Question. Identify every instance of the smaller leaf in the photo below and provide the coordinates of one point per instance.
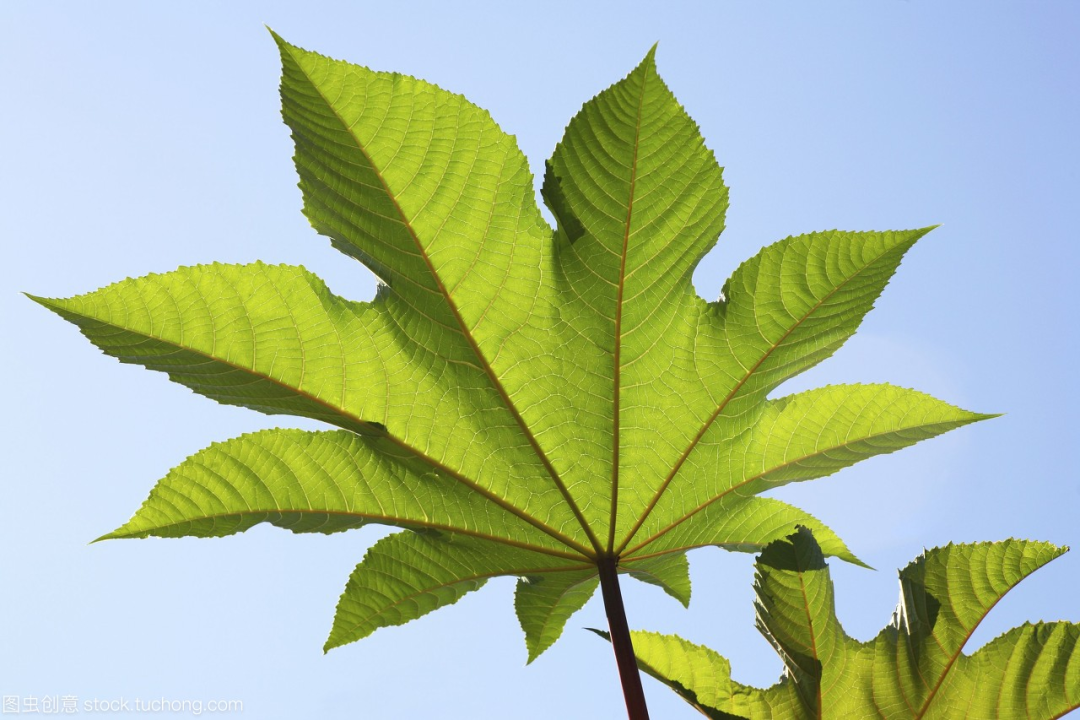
(913, 669)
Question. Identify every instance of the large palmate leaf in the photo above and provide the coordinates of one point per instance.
(532, 402)
(914, 668)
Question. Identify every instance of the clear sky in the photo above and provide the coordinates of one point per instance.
(141, 136)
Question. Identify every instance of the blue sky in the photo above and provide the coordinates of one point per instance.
(143, 136)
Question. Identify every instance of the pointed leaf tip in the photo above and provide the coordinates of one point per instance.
(277, 38)
(40, 300)
(649, 61)
(120, 533)
(284, 46)
(918, 234)
(601, 633)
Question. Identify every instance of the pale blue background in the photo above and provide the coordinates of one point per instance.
(140, 136)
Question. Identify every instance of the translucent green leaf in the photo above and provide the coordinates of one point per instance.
(425, 189)
(747, 524)
(1032, 671)
(783, 311)
(268, 337)
(320, 482)
(545, 602)
(670, 572)
(800, 437)
(406, 575)
(914, 668)
(640, 200)
(702, 677)
(560, 395)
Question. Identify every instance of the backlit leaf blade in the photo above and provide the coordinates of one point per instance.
(741, 524)
(798, 300)
(407, 575)
(913, 669)
(945, 594)
(545, 602)
(702, 677)
(640, 200)
(670, 572)
(268, 337)
(273, 338)
(783, 311)
(423, 187)
(1019, 674)
(801, 437)
(320, 482)
(567, 389)
(795, 611)
(415, 181)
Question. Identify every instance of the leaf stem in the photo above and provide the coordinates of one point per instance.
(620, 638)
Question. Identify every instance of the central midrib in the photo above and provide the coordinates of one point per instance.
(618, 320)
(813, 638)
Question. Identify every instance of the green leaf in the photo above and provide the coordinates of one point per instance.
(914, 668)
(669, 572)
(800, 437)
(545, 602)
(405, 576)
(633, 179)
(269, 337)
(702, 677)
(320, 482)
(544, 399)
